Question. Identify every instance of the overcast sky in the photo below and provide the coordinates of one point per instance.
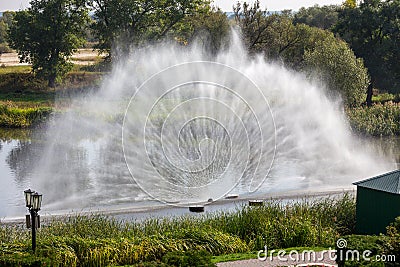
(226, 5)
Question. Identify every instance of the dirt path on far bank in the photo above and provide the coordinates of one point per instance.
(83, 57)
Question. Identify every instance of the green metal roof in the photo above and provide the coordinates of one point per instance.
(388, 182)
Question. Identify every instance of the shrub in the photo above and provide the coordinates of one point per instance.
(391, 244)
(378, 120)
(22, 117)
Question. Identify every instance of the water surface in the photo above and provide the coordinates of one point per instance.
(101, 179)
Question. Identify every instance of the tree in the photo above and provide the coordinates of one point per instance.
(3, 31)
(311, 50)
(209, 29)
(373, 32)
(47, 34)
(324, 17)
(254, 24)
(333, 62)
(118, 24)
(5, 23)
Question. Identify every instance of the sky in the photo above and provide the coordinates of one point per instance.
(225, 5)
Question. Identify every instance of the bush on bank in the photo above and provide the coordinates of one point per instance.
(378, 120)
(374, 251)
(14, 117)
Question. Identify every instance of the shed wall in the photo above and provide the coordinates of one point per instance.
(375, 210)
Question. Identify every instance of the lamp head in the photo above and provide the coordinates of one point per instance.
(36, 201)
(28, 198)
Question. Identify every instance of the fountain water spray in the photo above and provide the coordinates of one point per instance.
(172, 125)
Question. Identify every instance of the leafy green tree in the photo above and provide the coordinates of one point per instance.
(3, 31)
(7, 17)
(47, 34)
(332, 61)
(120, 24)
(254, 25)
(308, 49)
(373, 32)
(210, 29)
(5, 23)
(324, 17)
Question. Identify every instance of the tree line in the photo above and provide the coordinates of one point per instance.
(353, 47)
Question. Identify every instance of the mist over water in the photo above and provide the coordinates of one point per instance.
(172, 123)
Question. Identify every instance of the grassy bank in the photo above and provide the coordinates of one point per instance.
(102, 241)
(26, 100)
(32, 100)
(12, 116)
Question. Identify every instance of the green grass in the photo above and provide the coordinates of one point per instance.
(22, 117)
(100, 241)
(15, 69)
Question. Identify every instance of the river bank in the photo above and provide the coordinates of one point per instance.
(101, 241)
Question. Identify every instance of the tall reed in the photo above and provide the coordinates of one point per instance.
(98, 240)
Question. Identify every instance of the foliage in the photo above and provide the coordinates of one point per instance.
(18, 117)
(97, 240)
(333, 62)
(384, 245)
(3, 31)
(5, 23)
(373, 32)
(362, 243)
(385, 97)
(47, 34)
(17, 83)
(118, 25)
(378, 120)
(254, 25)
(324, 17)
(350, 3)
(391, 246)
(209, 29)
(308, 49)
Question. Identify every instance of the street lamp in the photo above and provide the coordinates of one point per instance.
(33, 201)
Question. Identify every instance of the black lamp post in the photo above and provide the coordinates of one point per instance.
(33, 201)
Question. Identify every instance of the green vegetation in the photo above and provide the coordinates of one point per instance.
(11, 116)
(47, 34)
(116, 22)
(313, 51)
(384, 245)
(26, 99)
(98, 241)
(378, 120)
(5, 23)
(323, 17)
(378, 41)
(307, 41)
